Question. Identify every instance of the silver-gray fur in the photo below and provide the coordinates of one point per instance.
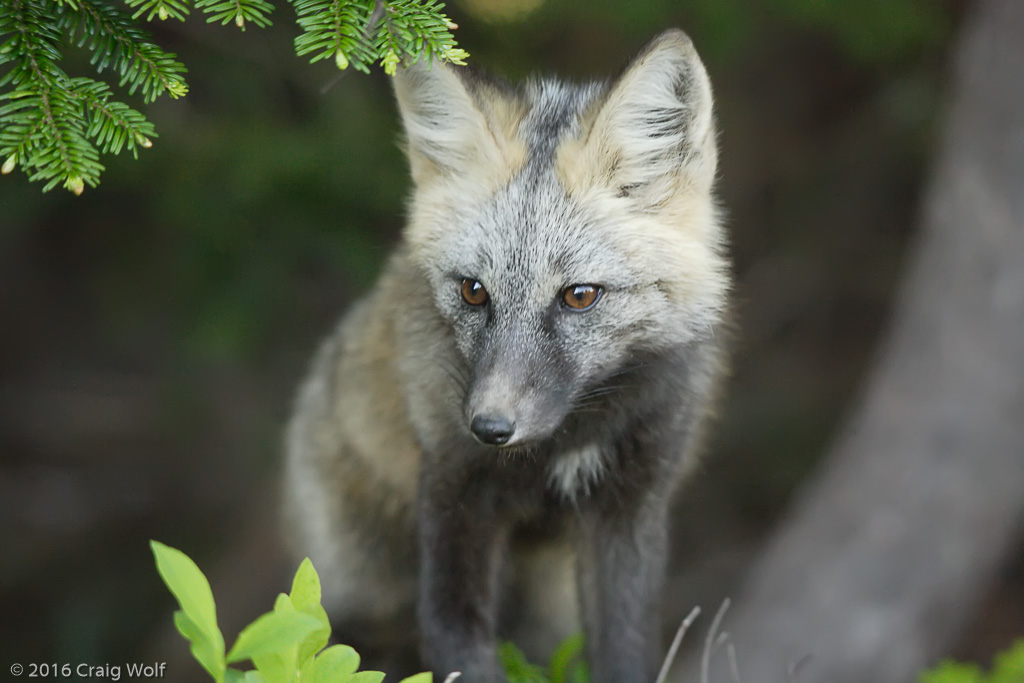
(447, 453)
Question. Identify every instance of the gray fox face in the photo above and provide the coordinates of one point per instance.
(542, 309)
(564, 229)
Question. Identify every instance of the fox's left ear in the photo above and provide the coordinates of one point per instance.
(652, 136)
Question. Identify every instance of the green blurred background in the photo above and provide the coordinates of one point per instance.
(154, 329)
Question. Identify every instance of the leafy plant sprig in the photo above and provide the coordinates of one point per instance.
(288, 644)
(55, 127)
(1007, 668)
(285, 645)
(566, 666)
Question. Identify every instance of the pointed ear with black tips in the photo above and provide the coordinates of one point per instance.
(457, 121)
(651, 137)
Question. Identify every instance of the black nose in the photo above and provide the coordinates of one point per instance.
(492, 430)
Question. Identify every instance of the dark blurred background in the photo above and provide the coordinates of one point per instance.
(154, 329)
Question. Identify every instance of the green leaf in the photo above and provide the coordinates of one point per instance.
(188, 585)
(272, 633)
(305, 597)
(203, 648)
(318, 639)
(236, 676)
(367, 677)
(336, 663)
(276, 667)
(425, 677)
(279, 667)
(1009, 665)
(567, 660)
(516, 666)
(953, 672)
(305, 587)
(283, 603)
(198, 622)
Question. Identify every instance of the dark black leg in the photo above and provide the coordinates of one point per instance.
(621, 573)
(461, 548)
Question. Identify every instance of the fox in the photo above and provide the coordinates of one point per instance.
(491, 439)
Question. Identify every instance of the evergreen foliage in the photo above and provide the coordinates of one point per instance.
(55, 126)
(362, 32)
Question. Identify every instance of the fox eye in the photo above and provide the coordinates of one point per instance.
(581, 297)
(473, 293)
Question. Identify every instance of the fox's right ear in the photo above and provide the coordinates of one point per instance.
(457, 122)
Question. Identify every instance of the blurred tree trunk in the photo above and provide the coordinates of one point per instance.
(891, 545)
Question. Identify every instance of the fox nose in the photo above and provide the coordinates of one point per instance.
(493, 430)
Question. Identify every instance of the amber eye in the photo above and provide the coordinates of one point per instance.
(473, 292)
(581, 297)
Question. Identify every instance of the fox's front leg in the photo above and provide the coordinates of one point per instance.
(621, 566)
(461, 545)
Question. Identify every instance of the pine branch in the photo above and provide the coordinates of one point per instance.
(115, 42)
(416, 30)
(34, 43)
(55, 127)
(52, 124)
(359, 33)
(238, 11)
(112, 124)
(40, 128)
(162, 9)
(44, 133)
(335, 28)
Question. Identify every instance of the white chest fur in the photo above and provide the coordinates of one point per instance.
(574, 472)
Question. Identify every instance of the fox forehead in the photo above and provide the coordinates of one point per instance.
(532, 226)
(533, 229)
(555, 112)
